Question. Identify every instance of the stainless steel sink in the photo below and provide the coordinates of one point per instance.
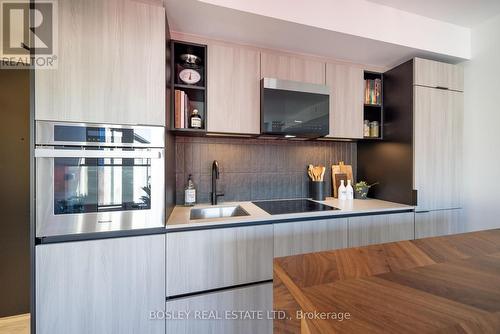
(218, 212)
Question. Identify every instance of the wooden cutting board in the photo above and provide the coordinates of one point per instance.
(341, 168)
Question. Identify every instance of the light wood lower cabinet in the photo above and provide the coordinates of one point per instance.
(346, 84)
(234, 89)
(377, 229)
(309, 236)
(226, 305)
(217, 258)
(438, 223)
(100, 286)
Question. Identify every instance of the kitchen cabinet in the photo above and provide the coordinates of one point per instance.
(295, 68)
(438, 223)
(111, 64)
(434, 74)
(100, 286)
(233, 89)
(377, 229)
(309, 236)
(226, 304)
(419, 161)
(438, 126)
(346, 84)
(217, 258)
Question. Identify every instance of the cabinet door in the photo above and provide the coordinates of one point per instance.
(285, 67)
(438, 127)
(437, 223)
(434, 74)
(346, 100)
(228, 305)
(217, 258)
(233, 89)
(100, 286)
(111, 64)
(309, 236)
(378, 229)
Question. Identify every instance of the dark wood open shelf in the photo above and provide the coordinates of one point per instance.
(375, 112)
(196, 93)
(182, 86)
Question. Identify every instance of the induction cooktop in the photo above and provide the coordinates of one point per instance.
(292, 206)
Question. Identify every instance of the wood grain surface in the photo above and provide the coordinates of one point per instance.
(446, 284)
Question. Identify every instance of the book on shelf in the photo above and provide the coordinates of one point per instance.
(373, 91)
(177, 109)
(182, 110)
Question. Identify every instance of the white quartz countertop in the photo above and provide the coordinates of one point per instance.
(180, 217)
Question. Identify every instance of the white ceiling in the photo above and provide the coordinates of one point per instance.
(467, 13)
(218, 22)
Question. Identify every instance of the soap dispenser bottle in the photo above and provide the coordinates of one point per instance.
(190, 193)
(342, 191)
(349, 190)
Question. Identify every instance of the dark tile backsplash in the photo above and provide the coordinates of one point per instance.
(255, 169)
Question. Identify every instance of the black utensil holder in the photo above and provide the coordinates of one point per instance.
(317, 190)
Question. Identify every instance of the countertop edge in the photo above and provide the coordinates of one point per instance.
(276, 220)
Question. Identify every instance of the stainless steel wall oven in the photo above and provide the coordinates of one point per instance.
(98, 178)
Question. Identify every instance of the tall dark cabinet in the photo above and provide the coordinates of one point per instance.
(419, 160)
(390, 161)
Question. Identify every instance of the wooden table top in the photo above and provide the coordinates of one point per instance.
(436, 285)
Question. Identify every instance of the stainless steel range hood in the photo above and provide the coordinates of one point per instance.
(294, 109)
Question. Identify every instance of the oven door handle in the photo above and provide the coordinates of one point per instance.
(51, 153)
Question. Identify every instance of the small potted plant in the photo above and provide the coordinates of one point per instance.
(361, 189)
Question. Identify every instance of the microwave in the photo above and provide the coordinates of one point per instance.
(294, 109)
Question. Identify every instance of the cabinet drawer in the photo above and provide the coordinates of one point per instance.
(210, 259)
(309, 236)
(377, 229)
(437, 74)
(252, 298)
(438, 223)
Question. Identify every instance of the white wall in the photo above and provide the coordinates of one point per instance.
(482, 128)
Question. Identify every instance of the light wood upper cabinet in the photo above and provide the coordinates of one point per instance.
(100, 286)
(438, 128)
(287, 67)
(438, 223)
(233, 89)
(377, 229)
(346, 100)
(111, 64)
(437, 74)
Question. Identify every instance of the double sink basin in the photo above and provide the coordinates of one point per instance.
(218, 212)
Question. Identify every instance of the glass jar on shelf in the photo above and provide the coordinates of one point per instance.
(366, 128)
(374, 129)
